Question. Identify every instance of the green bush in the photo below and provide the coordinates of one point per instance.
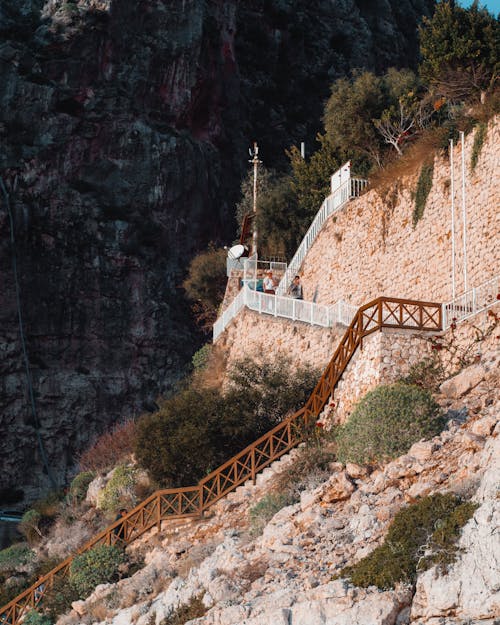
(201, 357)
(97, 566)
(58, 599)
(265, 509)
(196, 430)
(270, 389)
(181, 442)
(205, 284)
(79, 485)
(386, 422)
(439, 517)
(33, 618)
(424, 186)
(16, 556)
(119, 491)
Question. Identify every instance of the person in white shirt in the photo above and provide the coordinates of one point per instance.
(269, 283)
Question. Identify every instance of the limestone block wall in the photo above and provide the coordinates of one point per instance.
(388, 355)
(371, 248)
(254, 335)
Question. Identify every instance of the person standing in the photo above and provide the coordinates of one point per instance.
(295, 289)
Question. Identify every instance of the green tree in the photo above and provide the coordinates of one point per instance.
(460, 50)
(311, 179)
(205, 285)
(349, 112)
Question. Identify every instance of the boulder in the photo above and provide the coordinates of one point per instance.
(463, 382)
(339, 488)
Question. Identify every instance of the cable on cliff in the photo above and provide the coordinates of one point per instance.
(31, 393)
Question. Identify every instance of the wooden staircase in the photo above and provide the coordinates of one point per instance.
(192, 501)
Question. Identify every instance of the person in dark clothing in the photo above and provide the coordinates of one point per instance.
(295, 290)
(120, 529)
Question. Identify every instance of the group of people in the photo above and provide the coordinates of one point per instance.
(294, 290)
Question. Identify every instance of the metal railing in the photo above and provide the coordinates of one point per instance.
(349, 189)
(472, 302)
(286, 308)
(192, 501)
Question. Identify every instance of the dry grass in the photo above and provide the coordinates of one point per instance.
(405, 169)
(99, 612)
(213, 375)
(110, 449)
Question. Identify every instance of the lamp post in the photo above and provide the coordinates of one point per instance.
(255, 161)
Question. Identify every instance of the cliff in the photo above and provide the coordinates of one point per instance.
(124, 128)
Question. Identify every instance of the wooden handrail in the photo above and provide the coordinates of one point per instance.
(191, 501)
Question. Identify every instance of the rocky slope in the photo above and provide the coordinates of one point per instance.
(285, 575)
(124, 128)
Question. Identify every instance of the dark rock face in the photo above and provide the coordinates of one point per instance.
(124, 126)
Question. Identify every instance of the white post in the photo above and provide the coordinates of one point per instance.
(452, 176)
(293, 309)
(464, 215)
(303, 149)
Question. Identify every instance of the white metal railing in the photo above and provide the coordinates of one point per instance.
(472, 302)
(287, 308)
(254, 268)
(345, 189)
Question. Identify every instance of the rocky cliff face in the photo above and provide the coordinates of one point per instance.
(124, 127)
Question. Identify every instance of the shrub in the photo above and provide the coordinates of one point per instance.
(201, 357)
(29, 526)
(80, 484)
(206, 284)
(58, 599)
(428, 373)
(265, 509)
(184, 613)
(97, 566)
(479, 137)
(110, 449)
(183, 440)
(119, 491)
(424, 186)
(444, 538)
(270, 389)
(197, 430)
(309, 469)
(412, 532)
(386, 422)
(15, 557)
(33, 618)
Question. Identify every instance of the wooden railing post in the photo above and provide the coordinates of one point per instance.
(158, 512)
(252, 465)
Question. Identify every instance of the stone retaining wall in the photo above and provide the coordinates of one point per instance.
(254, 335)
(371, 248)
(389, 355)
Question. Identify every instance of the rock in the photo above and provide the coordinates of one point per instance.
(356, 471)
(484, 427)
(339, 487)
(471, 587)
(470, 441)
(79, 607)
(95, 487)
(463, 382)
(423, 450)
